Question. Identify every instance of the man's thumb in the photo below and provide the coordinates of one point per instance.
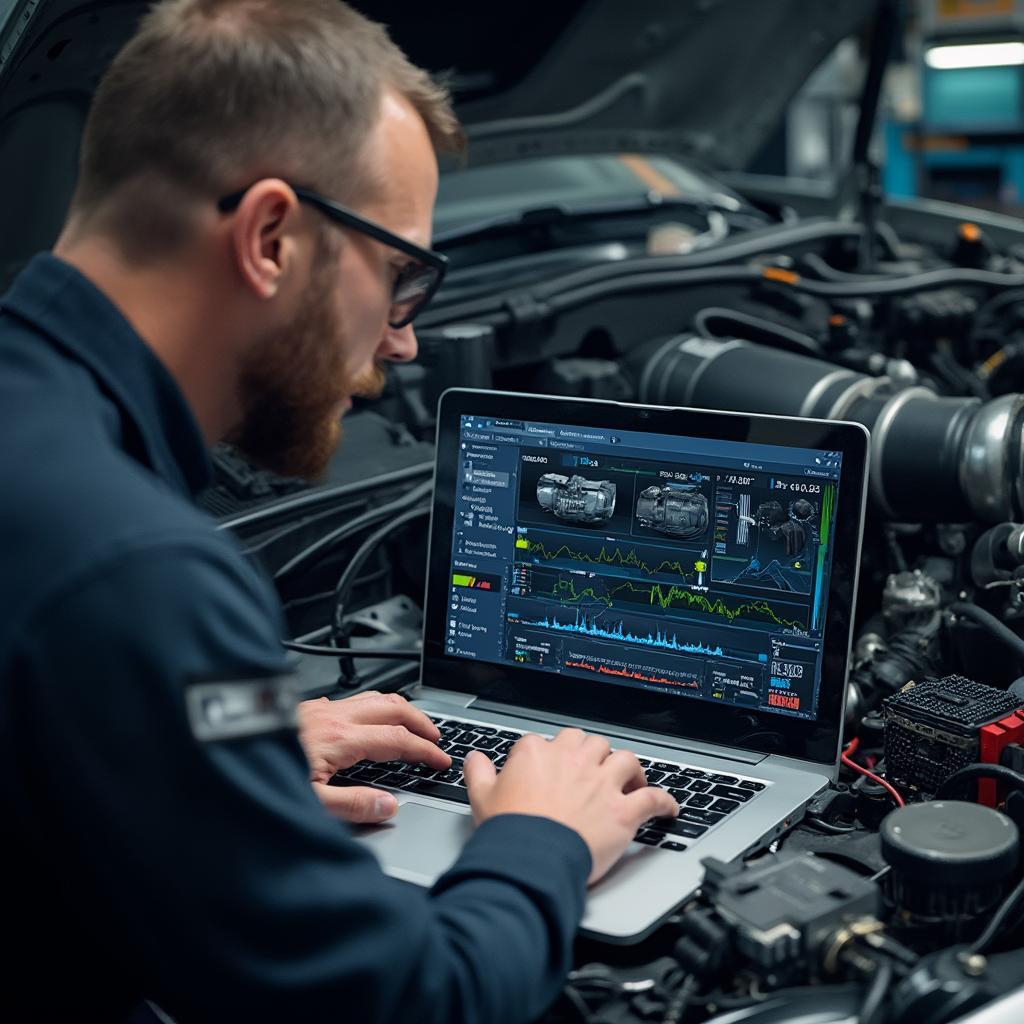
(359, 805)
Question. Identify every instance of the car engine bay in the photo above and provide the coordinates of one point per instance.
(926, 349)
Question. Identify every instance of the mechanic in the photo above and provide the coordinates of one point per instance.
(164, 842)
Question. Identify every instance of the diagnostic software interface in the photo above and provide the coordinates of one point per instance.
(692, 567)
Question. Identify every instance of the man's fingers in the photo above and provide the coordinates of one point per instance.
(596, 748)
(357, 804)
(626, 770)
(651, 802)
(389, 709)
(570, 738)
(396, 743)
(479, 774)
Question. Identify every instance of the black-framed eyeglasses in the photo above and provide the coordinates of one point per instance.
(416, 282)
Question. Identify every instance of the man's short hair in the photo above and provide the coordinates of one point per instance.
(210, 95)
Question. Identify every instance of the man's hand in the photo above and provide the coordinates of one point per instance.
(576, 780)
(370, 726)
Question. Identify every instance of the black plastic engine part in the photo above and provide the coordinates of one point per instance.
(933, 459)
(950, 861)
(459, 355)
(951, 983)
(933, 729)
(785, 914)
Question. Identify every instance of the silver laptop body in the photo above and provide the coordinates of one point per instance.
(571, 604)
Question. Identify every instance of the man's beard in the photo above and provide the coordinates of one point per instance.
(292, 388)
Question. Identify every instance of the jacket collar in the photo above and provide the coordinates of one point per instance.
(72, 312)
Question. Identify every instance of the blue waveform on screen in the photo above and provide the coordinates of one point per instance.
(660, 638)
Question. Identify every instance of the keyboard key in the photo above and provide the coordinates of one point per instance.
(672, 846)
(649, 838)
(754, 787)
(732, 793)
(430, 787)
(504, 747)
(437, 721)
(724, 806)
(700, 817)
(694, 773)
(678, 781)
(451, 775)
(654, 777)
(686, 829)
(422, 771)
(486, 743)
(696, 785)
(499, 760)
(486, 730)
(365, 774)
(506, 734)
(645, 761)
(679, 794)
(460, 751)
(664, 766)
(699, 800)
(725, 780)
(396, 780)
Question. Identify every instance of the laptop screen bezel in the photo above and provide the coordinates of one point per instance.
(763, 732)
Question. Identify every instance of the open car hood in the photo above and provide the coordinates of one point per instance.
(708, 78)
(704, 79)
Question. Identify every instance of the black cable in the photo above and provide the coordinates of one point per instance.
(870, 288)
(351, 652)
(363, 552)
(990, 623)
(346, 530)
(828, 827)
(792, 341)
(999, 918)
(972, 772)
(827, 272)
(996, 303)
(876, 994)
(677, 1005)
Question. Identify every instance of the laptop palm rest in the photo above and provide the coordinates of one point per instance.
(427, 844)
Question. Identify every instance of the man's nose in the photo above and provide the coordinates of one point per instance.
(399, 345)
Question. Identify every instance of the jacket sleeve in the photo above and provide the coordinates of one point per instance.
(232, 894)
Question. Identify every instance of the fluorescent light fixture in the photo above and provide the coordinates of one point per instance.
(974, 55)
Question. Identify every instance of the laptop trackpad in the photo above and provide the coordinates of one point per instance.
(421, 843)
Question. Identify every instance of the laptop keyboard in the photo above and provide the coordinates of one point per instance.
(705, 798)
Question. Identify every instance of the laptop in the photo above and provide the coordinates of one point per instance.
(679, 581)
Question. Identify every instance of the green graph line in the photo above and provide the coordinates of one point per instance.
(566, 592)
(828, 498)
(630, 561)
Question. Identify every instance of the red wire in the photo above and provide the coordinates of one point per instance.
(851, 748)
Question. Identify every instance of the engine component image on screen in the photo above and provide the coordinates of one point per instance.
(676, 509)
(576, 498)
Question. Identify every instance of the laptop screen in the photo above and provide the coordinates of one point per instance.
(690, 567)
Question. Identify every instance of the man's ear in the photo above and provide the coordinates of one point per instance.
(263, 235)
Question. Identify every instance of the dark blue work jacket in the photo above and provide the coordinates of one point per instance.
(149, 850)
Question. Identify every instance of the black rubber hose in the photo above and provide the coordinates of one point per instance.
(991, 624)
(974, 772)
(755, 328)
